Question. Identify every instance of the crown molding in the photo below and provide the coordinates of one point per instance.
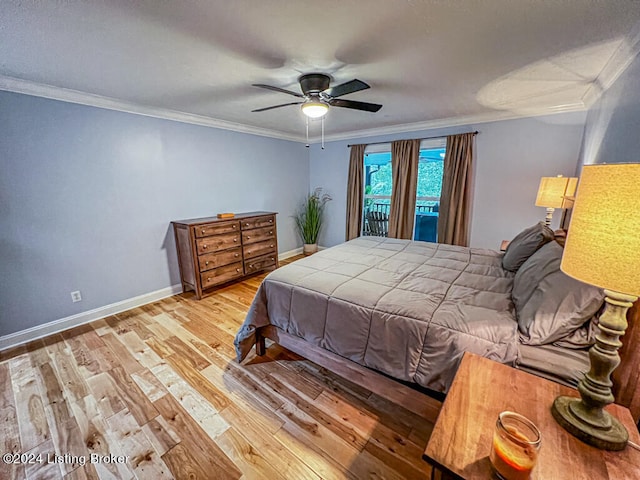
(486, 117)
(617, 64)
(26, 87)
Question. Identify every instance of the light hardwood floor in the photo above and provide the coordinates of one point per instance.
(160, 385)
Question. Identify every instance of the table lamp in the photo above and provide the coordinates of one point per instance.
(603, 249)
(555, 192)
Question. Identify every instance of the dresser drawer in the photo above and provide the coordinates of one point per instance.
(221, 274)
(214, 260)
(217, 242)
(258, 249)
(259, 263)
(216, 228)
(257, 235)
(258, 222)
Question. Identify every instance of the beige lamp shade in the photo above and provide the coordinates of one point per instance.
(553, 190)
(603, 242)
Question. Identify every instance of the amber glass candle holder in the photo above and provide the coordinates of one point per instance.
(516, 442)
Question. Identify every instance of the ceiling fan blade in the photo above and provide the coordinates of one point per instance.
(367, 107)
(278, 89)
(276, 106)
(347, 87)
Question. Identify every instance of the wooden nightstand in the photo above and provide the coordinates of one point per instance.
(461, 440)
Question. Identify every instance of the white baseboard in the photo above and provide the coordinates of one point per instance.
(56, 326)
(290, 253)
(294, 252)
(41, 331)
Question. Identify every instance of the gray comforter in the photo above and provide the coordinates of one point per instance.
(407, 309)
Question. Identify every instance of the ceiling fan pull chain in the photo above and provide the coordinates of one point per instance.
(322, 120)
(307, 123)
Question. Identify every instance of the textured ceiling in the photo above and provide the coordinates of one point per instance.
(426, 61)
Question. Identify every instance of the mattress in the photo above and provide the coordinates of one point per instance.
(407, 309)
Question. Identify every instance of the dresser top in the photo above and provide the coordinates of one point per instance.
(238, 216)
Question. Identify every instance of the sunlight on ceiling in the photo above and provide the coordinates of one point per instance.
(559, 82)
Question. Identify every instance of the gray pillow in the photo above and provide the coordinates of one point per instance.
(543, 262)
(550, 305)
(525, 244)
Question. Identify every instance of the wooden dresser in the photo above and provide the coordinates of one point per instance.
(212, 250)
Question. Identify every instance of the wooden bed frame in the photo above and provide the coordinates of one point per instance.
(626, 377)
(392, 390)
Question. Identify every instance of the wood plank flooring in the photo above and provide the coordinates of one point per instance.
(160, 386)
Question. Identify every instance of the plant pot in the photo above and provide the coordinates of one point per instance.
(310, 248)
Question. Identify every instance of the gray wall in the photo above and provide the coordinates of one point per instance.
(511, 157)
(87, 194)
(612, 131)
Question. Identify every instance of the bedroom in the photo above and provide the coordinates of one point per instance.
(89, 187)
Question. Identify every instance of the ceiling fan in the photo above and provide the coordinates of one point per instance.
(317, 97)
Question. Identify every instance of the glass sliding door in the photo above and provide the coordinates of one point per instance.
(378, 186)
(430, 170)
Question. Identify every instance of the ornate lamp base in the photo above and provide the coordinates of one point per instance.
(614, 437)
(585, 417)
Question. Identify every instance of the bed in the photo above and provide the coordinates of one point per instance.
(409, 310)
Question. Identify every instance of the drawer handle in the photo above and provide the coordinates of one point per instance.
(272, 259)
(208, 279)
(204, 246)
(207, 262)
(251, 265)
(271, 246)
(235, 239)
(234, 226)
(248, 237)
(237, 255)
(271, 232)
(246, 224)
(271, 220)
(204, 231)
(237, 270)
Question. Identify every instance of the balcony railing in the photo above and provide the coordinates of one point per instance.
(376, 217)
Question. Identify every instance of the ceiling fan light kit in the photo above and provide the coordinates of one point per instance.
(315, 109)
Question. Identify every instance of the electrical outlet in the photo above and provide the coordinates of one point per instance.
(75, 296)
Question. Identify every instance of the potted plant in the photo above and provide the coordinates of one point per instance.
(309, 219)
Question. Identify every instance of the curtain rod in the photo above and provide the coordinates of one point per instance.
(425, 138)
